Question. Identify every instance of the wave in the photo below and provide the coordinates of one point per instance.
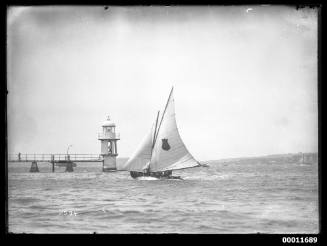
(209, 177)
(25, 200)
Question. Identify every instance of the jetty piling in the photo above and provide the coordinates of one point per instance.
(69, 166)
(53, 163)
(34, 168)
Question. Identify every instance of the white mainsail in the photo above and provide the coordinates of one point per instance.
(142, 156)
(169, 152)
(162, 149)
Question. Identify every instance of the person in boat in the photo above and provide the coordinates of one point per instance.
(146, 170)
(168, 173)
(165, 174)
(133, 174)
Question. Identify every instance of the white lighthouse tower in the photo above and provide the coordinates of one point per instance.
(109, 139)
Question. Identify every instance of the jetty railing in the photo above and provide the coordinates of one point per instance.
(54, 157)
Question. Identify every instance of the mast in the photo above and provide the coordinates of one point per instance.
(155, 132)
(154, 137)
(171, 91)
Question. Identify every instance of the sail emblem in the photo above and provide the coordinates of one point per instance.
(165, 144)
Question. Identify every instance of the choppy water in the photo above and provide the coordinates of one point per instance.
(225, 198)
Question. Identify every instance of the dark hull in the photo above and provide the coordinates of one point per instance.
(108, 169)
(158, 175)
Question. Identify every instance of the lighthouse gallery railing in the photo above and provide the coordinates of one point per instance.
(109, 135)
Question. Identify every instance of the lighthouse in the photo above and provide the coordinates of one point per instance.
(109, 139)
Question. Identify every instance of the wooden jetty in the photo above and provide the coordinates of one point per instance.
(108, 138)
(67, 160)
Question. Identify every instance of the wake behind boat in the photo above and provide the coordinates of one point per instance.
(162, 150)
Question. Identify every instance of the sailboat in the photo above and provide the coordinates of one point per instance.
(162, 149)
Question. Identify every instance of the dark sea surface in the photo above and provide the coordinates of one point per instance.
(224, 198)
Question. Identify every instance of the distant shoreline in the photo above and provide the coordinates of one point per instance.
(288, 156)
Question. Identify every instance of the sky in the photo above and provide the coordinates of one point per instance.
(244, 77)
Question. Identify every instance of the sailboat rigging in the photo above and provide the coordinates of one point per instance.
(162, 150)
(154, 135)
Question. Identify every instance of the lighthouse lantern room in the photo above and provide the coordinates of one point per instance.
(109, 139)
